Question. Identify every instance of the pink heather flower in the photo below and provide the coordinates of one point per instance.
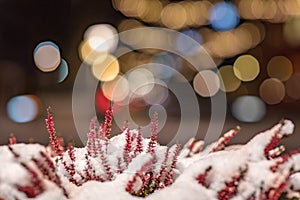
(127, 147)
(103, 158)
(92, 147)
(154, 132)
(12, 139)
(170, 174)
(139, 145)
(108, 123)
(231, 187)
(52, 133)
(138, 175)
(201, 178)
(163, 171)
(225, 139)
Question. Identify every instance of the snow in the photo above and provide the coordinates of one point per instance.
(225, 164)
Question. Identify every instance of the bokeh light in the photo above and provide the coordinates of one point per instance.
(224, 16)
(246, 68)
(102, 37)
(206, 83)
(248, 109)
(117, 89)
(230, 81)
(87, 54)
(23, 108)
(174, 16)
(280, 67)
(158, 95)
(63, 70)
(149, 11)
(141, 81)
(272, 91)
(293, 87)
(291, 29)
(46, 56)
(105, 67)
(188, 46)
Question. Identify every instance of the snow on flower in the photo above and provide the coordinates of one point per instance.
(129, 167)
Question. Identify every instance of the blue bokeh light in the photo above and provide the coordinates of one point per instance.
(63, 70)
(22, 108)
(224, 16)
(248, 109)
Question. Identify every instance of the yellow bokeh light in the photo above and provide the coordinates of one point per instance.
(174, 16)
(117, 89)
(87, 53)
(246, 68)
(105, 67)
(149, 11)
(280, 67)
(230, 81)
(272, 91)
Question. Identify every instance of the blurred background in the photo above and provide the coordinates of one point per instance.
(255, 46)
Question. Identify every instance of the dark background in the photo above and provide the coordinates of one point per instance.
(23, 24)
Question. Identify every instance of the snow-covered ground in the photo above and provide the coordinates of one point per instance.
(124, 168)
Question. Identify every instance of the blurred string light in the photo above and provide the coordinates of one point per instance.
(280, 67)
(230, 82)
(23, 108)
(46, 56)
(224, 16)
(206, 83)
(171, 20)
(272, 91)
(273, 11)
(248, 109)
(246, 68)
(293, 87)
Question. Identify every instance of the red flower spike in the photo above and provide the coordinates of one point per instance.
(120, 168)
(108, 122)
(138, 174)
(127, 148)
(139, 145)
(35, 188)
(12, 139)
(154, 132)
(92, 148)
(52, 133)
(163, 171)
(223, 141)
(103, 158)
(170, 174)
(231, 187)
(201, 178)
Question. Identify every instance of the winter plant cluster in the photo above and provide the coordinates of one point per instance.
(130, 167)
